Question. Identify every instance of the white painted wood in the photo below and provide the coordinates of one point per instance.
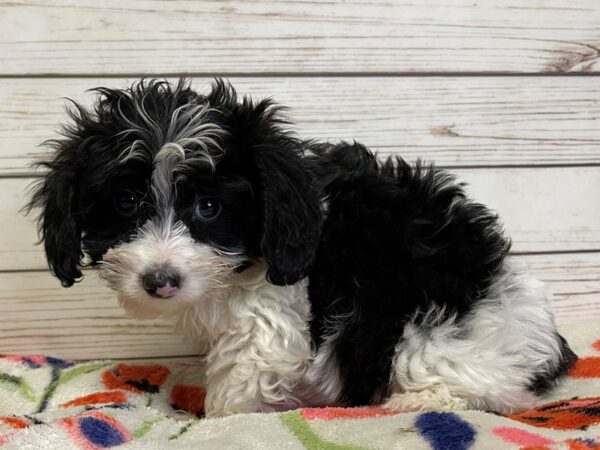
(544, 209)
(39, 316)
(454, 121)
(112, 36)
(573, 283)
(472, 123)
(85, 321)
(18, 249)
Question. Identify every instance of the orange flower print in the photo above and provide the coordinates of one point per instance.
(10, 426)
(136, 378)
(15, 422)
(587, 367)
(189, 399)
(97, 398)
(578, 413)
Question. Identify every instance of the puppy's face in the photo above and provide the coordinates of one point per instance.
(171, 193)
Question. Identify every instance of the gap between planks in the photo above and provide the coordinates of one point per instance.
(332, 74)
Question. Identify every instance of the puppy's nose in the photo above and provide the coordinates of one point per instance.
(161, 284)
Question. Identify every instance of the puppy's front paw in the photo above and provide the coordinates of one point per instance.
(437, 398)
(229, 409)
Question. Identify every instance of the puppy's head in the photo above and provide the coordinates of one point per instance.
(171, 193)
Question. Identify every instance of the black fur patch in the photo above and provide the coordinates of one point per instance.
(397, 239)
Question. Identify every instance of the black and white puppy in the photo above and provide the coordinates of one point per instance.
(307, 273)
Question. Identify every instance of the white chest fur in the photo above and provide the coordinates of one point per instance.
(257, 342)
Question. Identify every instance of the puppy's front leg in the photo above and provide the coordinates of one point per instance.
(254, 368)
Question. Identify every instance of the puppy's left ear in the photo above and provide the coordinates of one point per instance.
(292, 213)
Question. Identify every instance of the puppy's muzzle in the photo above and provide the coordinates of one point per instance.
(161, 284)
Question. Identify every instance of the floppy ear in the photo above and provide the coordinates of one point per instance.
(292, 214)
(290, 203)
(60, 220)
(56, 194)
(58, 228)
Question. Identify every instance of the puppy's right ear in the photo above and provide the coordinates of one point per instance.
(58, 229)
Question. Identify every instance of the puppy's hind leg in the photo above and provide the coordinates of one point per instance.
(500, 357)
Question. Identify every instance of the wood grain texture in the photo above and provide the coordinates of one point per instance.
(572, 281)
(312, 36)
(454, 121)
(85, 321)
(545, 210)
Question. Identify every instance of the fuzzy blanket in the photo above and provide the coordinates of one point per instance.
(49, 403)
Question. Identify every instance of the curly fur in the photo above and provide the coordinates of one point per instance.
(308, 273)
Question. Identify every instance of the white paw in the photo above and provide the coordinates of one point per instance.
(436, 398)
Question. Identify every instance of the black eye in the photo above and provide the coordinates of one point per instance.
(126, 202)
(207, 209)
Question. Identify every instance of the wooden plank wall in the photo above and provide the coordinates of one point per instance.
(506, 93)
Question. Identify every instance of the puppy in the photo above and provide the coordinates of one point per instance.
(307, 273)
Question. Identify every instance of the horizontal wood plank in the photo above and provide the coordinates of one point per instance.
(305, 36)
(572, 281)
(474, 121)
(86, 322)
(544, 209)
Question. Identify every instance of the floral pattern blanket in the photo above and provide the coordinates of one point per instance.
(50, 403)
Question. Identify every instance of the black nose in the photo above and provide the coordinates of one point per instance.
(161, 284)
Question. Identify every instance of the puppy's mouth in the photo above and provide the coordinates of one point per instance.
(166, 291)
